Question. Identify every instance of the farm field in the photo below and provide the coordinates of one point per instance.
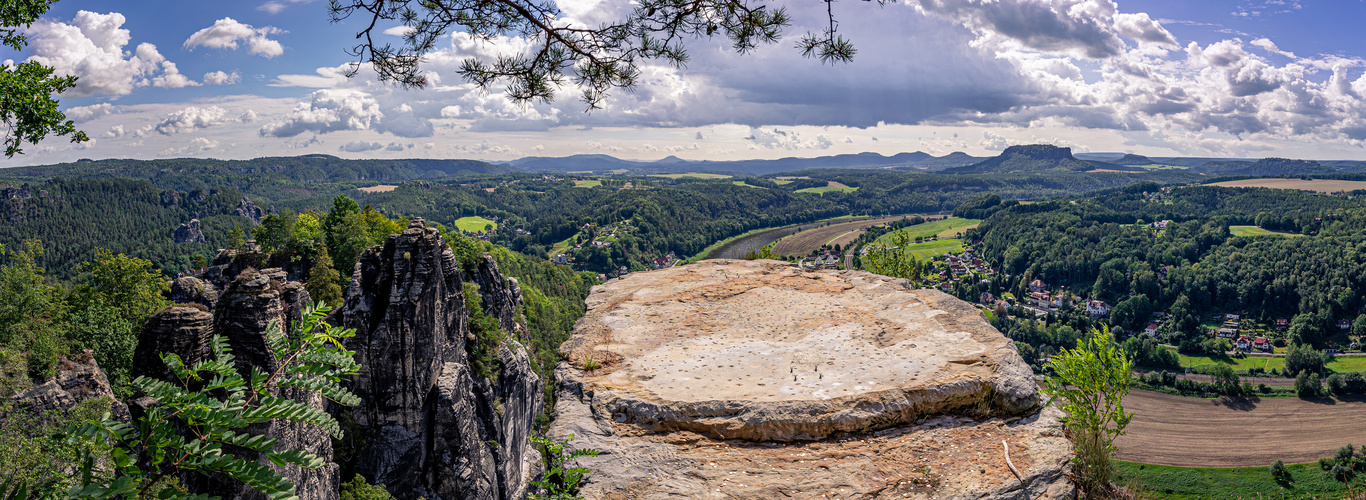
(382, 188)
(928, 229)
(804, 242)
(1319, 185)
(1160, 481)
(742, 183)
(931, 249)
(1195, 432)
(474, 224)
(1256, 231)
(694, 175)
(1340, 364)
(829, 187)
(588, 183)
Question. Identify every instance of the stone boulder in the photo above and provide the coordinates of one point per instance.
(192, 290)
(432, 427)
(755, 379)
(78, 379)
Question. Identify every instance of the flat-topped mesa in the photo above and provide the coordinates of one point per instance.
(762, 351)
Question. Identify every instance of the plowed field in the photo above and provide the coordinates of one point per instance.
(804, 242)
(1194, 432)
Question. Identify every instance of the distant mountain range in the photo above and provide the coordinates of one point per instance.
(604, 163)
(1035, 158)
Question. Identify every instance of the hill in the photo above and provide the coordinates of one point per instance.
(1032, 158)
(604, 163)
(258, 176)
(1134, 160)
(1268, 166)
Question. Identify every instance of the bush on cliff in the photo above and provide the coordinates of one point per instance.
(1092, 380)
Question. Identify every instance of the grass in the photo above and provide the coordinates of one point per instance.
(929, 229)
(1256, 231)
(587, 183)
(782, 182)
(827, 189)
(1161, 481)
(931, 249)
(1340, 364)
(474, 224)
(742, 183)
(695, 175)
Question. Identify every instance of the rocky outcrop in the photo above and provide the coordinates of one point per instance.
(246, 308)
(192, 290)
(189, 233)
(759, 380)
(249, 210)
(78, 379)
(432, 426)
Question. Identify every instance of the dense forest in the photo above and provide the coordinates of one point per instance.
(1107, 247)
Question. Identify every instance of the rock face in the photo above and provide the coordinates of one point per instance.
(192, 290)
(189, 233)
(247, 209)
(77, 380)
(249, 303)
(432, 427)
(753, 379)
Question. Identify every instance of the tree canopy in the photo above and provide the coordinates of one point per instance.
(27, 107)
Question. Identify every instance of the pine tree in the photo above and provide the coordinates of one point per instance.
(323, 281)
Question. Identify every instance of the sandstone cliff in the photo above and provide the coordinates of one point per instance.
(190, 232)
(754, 379)
(432, 426)
(247, 305)
(78, 379)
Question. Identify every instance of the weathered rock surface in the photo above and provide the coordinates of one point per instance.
(432, 427)
(247, 306)
(190, 232)
(247, 209)
(77, 380)
(192, 290)
(753, 379)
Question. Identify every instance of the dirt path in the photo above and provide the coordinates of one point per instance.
(1194, 432)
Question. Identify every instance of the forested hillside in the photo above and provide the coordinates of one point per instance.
(1104, 247)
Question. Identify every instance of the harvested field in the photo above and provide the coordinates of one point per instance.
(694, 175)
(1194, 432)
(804, 242)
(382, 188)
(1319, 185)
(829, 187)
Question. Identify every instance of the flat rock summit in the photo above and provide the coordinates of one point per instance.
(755, 379)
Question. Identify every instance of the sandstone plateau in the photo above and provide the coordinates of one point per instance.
(754, 379)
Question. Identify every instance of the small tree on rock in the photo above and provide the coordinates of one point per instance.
(1092, 380)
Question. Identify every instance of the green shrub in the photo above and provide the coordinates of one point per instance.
(358, 489)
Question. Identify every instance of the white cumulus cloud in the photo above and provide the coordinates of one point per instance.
(226, 33)
(327, 110)
(222, 78)
(190, 119)
(92, 47)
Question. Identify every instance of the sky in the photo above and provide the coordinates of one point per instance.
(253, 78)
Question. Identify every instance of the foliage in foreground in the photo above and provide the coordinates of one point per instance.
(559, 482)
(1092, 380)
(209, 408)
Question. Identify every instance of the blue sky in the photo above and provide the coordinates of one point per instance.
(1243, 78)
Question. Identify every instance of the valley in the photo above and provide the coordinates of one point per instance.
(1161, 257)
